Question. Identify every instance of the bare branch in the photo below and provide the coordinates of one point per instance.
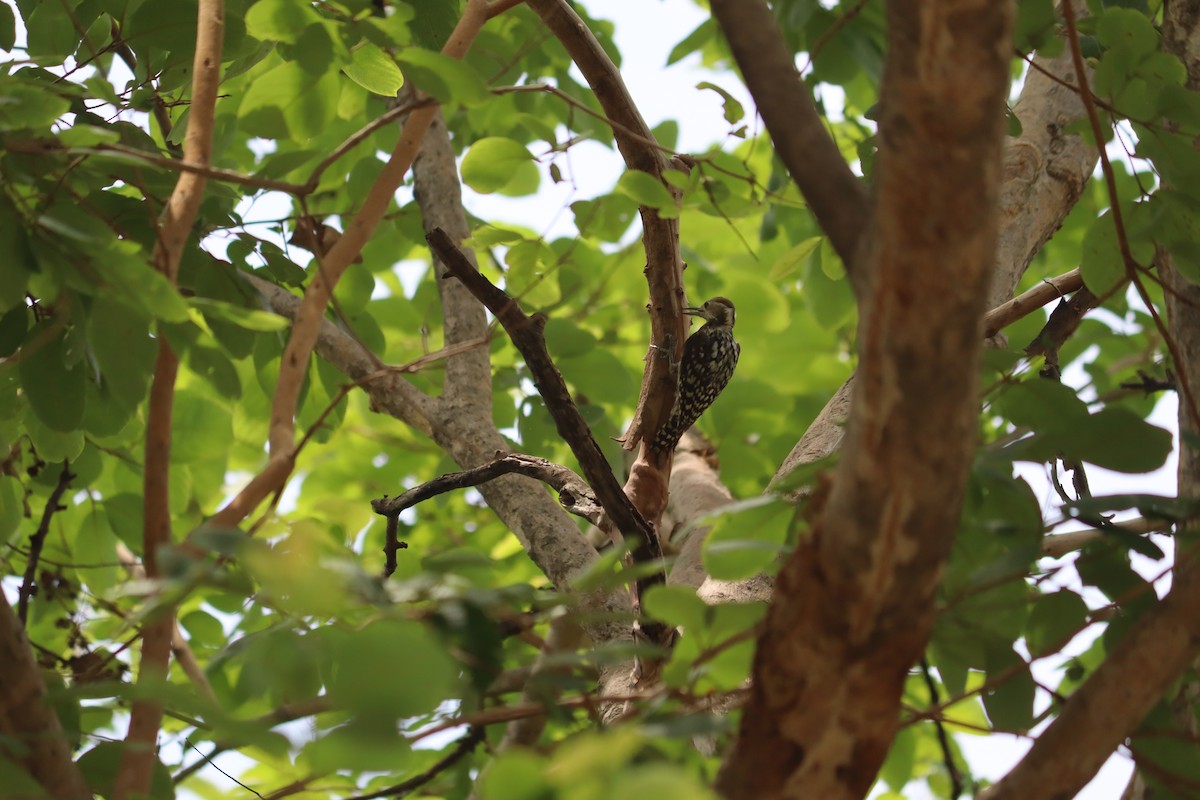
(1027, 302)
(837, 198)
(29, 582)
(573, 493)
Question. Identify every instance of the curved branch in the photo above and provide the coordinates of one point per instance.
(294, 363)
(574, 494)
(660, 238)
(175, 226)
(838, 199)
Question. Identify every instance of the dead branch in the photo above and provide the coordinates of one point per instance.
(573, 493)
(29, 582)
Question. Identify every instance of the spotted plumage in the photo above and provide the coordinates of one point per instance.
(709, 357)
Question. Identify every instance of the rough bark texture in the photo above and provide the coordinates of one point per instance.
(854, 605)
(30, 733)
(1045, 170)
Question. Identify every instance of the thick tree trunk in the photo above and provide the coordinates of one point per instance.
(854, 605)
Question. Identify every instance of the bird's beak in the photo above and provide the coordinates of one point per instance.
(694, 311)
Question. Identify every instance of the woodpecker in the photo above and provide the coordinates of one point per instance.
(709, 356)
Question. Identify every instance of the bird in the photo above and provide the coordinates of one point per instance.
(709, 357)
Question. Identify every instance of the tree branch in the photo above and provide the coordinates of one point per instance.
(573, 493)
(28, 721)
(1045, 170)
(175, 226)
(837, 198)
(29, 582)
(1027, 302)
(660, 237)
(853, 606)
(1114, 699)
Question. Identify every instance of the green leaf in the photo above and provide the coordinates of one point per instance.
(1120, 440)
(24, 106)
(1101, 262)
(733, 109)
(419, 672)
(448, 79)
(678, 606)
(53, 380)
(121, 344)
(1128, 29)
(288, 100)
(516, 774)
(248, 318)
(565, 339)
(280, 20)
(8, 27)
(746, 537)
(646, 190)
(374, 70)
(1009, 704)
(11, 511)
(898, 769)
(1054, 617)
(794, 259)
(499, 164)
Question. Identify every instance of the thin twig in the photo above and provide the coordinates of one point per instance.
(38, 539)
(956, 784)
(462, 749)
(1024, 304)
(1110, 181)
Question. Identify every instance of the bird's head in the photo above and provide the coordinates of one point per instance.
(717, 311)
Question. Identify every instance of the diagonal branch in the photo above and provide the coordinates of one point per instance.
(526, 334)
(38, 539)
(837, 198)
(660, 238)
(1114, 699)
(294, 364)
